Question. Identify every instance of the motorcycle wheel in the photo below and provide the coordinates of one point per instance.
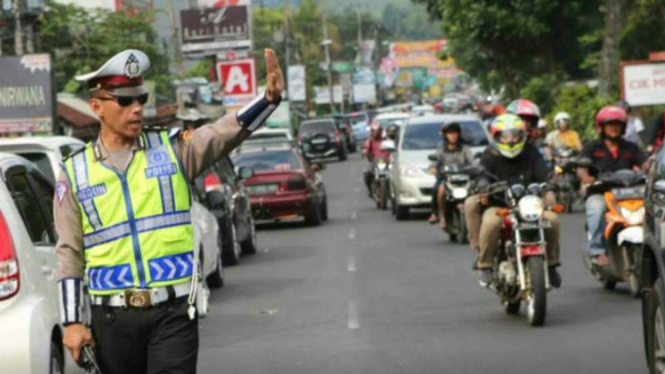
(383, 195)
(631, 259)
(537, 301)
(570, 199)
(513, 308)
(654, 329)
(463, 229)
(452, 235)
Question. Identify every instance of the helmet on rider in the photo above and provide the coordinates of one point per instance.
(562, 120)
(375, 130)
(447, 130)
(609, 115)
(527, 111)
(508, 133)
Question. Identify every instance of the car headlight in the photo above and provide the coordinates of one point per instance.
(633, 218)
(412, 171)
(531, 208)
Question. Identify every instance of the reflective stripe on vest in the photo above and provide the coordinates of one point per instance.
(136, 225)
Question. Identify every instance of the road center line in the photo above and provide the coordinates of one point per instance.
(353, 322)
(351, 264)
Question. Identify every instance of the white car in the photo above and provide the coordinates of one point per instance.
(422, 110)
(46, 152)
(387, 119)
(29, 302)
(411, 182)
(266, 135)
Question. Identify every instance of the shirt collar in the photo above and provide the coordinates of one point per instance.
(101, 153)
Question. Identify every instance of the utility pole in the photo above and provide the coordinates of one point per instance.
(18, 28)
(175, 38)
(326, 44)
(609, 60)
(287, 51)
(360, 34)
(29, 37)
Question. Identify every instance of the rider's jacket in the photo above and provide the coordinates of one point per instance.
(569, 138)
(372, 149)
(462, 155)
(629, 155)
(528, 167)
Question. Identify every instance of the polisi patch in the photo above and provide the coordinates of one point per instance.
(91, 192)
(132, 68)
(158, 156)
(60, 191)
(159, 170)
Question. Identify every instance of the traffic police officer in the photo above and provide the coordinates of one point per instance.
(122, 213)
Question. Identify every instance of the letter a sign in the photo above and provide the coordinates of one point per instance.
(238, 79)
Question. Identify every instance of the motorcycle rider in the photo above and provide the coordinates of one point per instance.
(563, 136)
(608, 154)
(513, 159)
(527, 111)
(372, 150)
(450, 151)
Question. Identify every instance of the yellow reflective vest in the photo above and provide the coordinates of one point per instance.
(137, 230)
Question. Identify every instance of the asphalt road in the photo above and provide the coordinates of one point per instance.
(364, 293)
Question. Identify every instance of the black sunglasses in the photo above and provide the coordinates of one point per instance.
(125, 101)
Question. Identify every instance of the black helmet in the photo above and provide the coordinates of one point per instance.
(451, 126)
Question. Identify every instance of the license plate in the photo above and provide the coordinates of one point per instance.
(628, 193)
(262, 189)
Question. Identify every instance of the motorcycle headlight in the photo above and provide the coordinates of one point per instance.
(633, 218)
(531, 208)
(381, 165)
(460, 193)
(411, 171)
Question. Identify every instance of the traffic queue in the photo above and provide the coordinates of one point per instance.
(498, 181)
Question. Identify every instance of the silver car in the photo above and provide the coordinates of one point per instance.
(411, 182)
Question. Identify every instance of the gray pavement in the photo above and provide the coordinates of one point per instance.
(364, 293)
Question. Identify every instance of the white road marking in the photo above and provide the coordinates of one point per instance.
(352, 234)
(354, 215)
(353, 322)
(351, 264)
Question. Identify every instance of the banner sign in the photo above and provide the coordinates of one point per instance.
(238, 81)
(296, 79)
(26, 94)
(210, 30)
(643, 83)
(322, 94)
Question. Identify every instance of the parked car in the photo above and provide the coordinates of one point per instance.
(387, 119)
(226, 197)
(208, 243)
(284, 185)
(320, 138)
(29, 300)
(652, 265)
(411, 183)
(46, 152)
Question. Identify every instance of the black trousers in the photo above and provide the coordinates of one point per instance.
(158, 340)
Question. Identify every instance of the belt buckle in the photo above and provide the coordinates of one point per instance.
(138, 298)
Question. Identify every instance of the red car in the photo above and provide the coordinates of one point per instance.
(283, 186)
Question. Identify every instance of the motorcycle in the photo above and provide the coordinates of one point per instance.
(381, 182)
(623, 192)
(457, 186)
(520, 265)
(565, 178)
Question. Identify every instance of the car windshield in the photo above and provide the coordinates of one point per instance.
(427, 135)
(42, 162)
(317, 127)
(385, 122)
(282, 160)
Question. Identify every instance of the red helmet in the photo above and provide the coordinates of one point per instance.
(523, 107)
(611, 113)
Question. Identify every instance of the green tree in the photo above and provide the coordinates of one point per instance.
(81, 41)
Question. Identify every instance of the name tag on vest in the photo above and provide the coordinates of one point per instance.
(90, 192)
(156, 171)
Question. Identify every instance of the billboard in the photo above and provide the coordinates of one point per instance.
(322, 94)
(643, 83)
(238, 80)
(296, 80)
(211, 30)
(26, 94)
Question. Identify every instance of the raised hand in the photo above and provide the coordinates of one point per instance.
(275, 78)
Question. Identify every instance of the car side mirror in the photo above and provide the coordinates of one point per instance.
(388, 145)
(245, 173)
(215, 199)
